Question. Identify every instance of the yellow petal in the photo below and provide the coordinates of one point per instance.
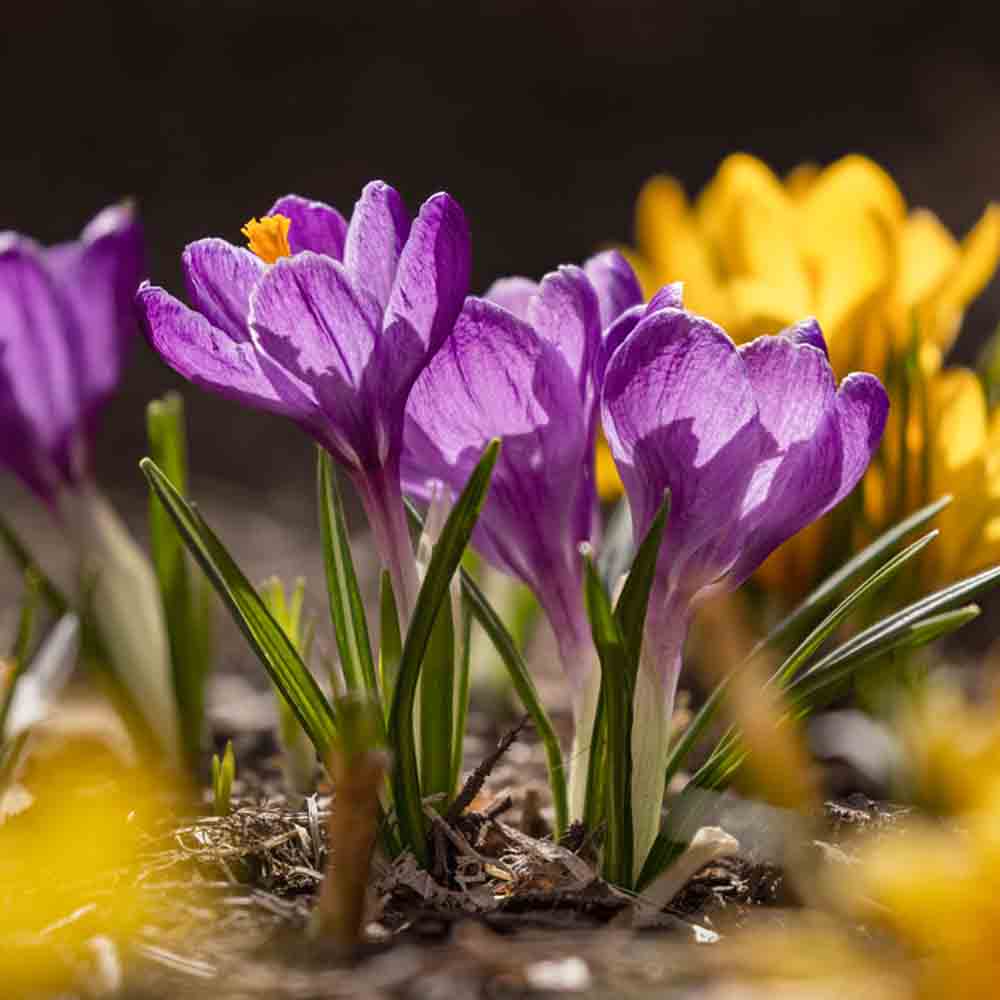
(675, 249)
(853, 258)
(758, 307)
(928, 254)
(976, 265)
(800, 179)
(609, 484)
(958, 442)
(855, 183)
(740, 177)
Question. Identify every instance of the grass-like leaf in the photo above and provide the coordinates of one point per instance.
(835, 584)
(18, 551)
(633, 602)
(444, 562)
(266, 637)
(806, 648)
(436, 698)
(503, 642)
(886, 630)
(617, 689)
(347, 611)
(390, 650)
(185, 610)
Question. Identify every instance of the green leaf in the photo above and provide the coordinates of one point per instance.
(875, 583)
(794, 662)
(444, 562)
(266, 637)
(54, 597)
(616, 678)
(828, 591)
(22, 644)
(633, 602)
(888, 628)
(347, 610)
(436, 713)
(223, 773)
(463, 665)
(818, 686)
(521, 679)
(390, 641)
(188, 628)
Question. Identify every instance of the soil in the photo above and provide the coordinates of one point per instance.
(510, 913)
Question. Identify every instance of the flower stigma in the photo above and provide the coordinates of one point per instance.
(268, 237)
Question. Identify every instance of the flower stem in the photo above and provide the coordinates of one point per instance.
(382, 500)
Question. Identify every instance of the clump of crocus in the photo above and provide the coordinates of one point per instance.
(523, 364)
(66, 322)
(756, 253)
(328, 323)
(753, 443)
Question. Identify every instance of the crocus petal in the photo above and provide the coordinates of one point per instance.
(807, 332)
(375, 238)
(862, 411)
(566, 313)
(209, 358)
(427, 294)
(816, 472)
(40, 339)
(315, 225)
(668, 297)
(679, 413)
(98, 275)
(219, 278)
(513, 294)
(309, 318)
(615, 282)
(495, 377)
(614, 337)
(313, 325)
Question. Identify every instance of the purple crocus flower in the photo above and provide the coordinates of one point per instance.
(67, 317)
(754, 443)
(66, 320)
(521, 365)
(328, 323)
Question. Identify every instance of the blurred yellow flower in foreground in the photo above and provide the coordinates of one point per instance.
(937, 888)
(926, 895)
(69, 866)
(757, 254)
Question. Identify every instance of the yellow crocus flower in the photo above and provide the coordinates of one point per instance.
(757, 254)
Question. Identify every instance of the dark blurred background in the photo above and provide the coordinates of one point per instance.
(542, 118)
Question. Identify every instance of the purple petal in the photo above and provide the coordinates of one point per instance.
(375, 238)
(807, 332)
(826, 440)
(40, 340)
(566, 313)
(679, 413)
(513, 294)
(616, 285)
(98, 276)
(318, 331)
(427, 294)
(614, 337)
(495, 377)
(219, 278)
(793, 383)
(315, 225)
(862, 410)
(310, 320)
(668, 297)
(210, 358)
